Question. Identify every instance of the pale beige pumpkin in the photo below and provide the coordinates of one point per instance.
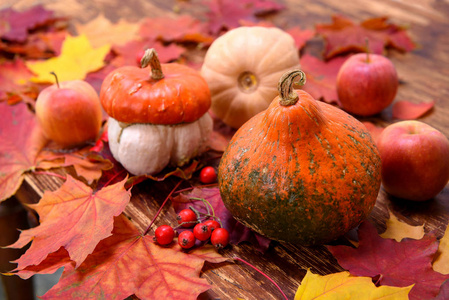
(242, 68)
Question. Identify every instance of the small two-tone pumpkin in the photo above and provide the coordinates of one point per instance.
(156, 118)
(242, 68)
(301, 171)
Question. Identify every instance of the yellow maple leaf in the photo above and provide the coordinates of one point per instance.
(119, 33)
(399, 230)
(344, 286)
(441, 263)
(77, 58)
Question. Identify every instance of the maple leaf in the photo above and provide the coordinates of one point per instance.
(226, 14)
(16, 25)
(343, 35)
(322, 77)
(238, 232)
(77, 58)
(399, 230)
(22, 140)
(301, 36)
(131, 52)
(14, 86)
(118, 33)
(87, 164)
(344, 286)
(127, 264)
(73, 217)
(406, 110)
(396, 263)
(441, 262)
(184, 28)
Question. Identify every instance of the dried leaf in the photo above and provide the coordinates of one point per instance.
(344, 286)
(395, 263)
(322, 77)
(128, 263)
(399, 230)
(406, 110)
(73, 217)
(226, 14)
(76, 60)
(441, 263)
(343, 36)
(22, 139)
(118, 33)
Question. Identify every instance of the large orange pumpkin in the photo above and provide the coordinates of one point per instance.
(301, 171)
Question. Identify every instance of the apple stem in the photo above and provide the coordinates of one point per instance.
(367, 50)
(56, 77)
(150, 58)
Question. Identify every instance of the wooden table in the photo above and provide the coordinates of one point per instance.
(425, 77)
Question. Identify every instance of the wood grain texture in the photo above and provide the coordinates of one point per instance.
(424, 73)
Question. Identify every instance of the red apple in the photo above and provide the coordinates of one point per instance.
(70, 113)
(367, 84)
(415, 160)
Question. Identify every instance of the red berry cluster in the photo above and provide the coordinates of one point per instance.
(202, 231)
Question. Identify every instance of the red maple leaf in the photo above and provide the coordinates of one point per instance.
(406, 110)
(127, 264)
(22, 140)
(131, 53)
(238, 232)
(183, 28)
(343, 36)
(14, 82)
(321, 77)
(395, 263)
(226, 14)
(16, 25)
(73, 217)
(301, 36)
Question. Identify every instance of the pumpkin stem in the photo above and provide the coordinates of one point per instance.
(150, 58)
(287, 93)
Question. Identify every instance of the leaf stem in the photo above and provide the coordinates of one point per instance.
(265, 275)
(160, 208)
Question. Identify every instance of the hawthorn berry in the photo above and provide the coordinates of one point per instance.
(186, 239)
(201, 231)
(213, 224)
(164, 235)
(187, 218)
(208, 175)
(220, 238)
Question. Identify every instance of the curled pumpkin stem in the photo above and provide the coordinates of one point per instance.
(150, 58)
(287, 93)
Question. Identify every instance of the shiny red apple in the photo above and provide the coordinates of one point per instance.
(367, 84)
(415, 160)
(70, 113)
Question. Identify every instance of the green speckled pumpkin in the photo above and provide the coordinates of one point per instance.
(301, 171)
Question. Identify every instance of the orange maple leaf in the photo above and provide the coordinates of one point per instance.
(21, 140)
(73, 217)
(126, 264)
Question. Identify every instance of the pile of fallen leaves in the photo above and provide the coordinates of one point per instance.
(82, 227)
